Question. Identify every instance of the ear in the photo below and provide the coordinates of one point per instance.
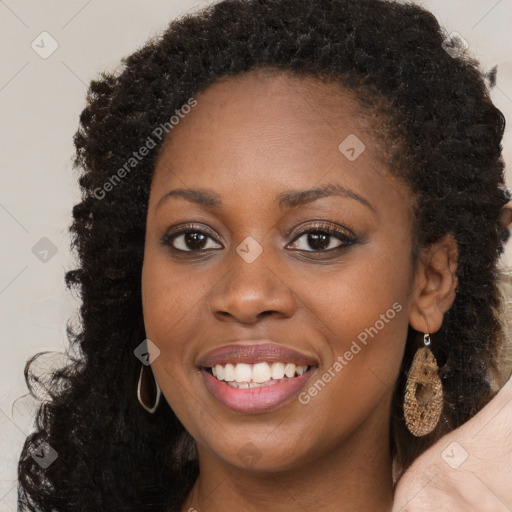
(506, 216)
(435, 283)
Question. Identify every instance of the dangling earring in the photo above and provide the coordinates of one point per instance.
(423, 401)
(151, 409)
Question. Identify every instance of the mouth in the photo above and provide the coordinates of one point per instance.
(255, 378)
(247, 376)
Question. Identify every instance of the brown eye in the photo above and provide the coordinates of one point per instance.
(322, 238)
(190, 239)
(317, 242)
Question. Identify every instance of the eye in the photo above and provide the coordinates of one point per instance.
(322, 238)
(190, 239)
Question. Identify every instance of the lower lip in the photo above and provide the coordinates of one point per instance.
(254, 400)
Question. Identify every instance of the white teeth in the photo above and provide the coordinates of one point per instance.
(243, 372)
(229, 373)
(243, 375)
(277, 371)
(289, 370)
(220, 372)
(261, 372)
(300, 370)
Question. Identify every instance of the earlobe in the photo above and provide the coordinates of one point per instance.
(435, 284)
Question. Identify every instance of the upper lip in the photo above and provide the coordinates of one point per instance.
(251, 353)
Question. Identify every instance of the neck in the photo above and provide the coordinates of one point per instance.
(355, 475)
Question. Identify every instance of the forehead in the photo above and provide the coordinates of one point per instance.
(265, 130)
(267, 109)
(278, 99)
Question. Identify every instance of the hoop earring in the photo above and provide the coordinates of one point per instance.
(153, 408)
(423, 401)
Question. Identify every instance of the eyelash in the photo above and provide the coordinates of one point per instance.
(327, 229)
(346, 237)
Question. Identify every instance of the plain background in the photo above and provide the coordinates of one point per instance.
(40, 102)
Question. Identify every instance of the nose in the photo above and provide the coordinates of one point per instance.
(251, 291)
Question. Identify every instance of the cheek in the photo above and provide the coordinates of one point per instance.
(367, 305)
(355, 295)
(168, 302)
(364, 315)
(170, 297)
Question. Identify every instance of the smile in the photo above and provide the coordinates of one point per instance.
(247, 396)
(254, 376)
(245, 376)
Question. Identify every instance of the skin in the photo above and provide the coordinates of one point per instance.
(482, 478)
(250, 138)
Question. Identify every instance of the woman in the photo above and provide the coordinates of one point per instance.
(338, 175)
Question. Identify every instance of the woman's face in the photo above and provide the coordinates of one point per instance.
(257, 276)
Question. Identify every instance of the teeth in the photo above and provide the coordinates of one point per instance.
(243, 375)
(261, 372)
(277, 371)
(289, 370)
(247, 385)
(243, 372)
(229, 373)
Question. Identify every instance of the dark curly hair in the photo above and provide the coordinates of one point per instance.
(443, 138)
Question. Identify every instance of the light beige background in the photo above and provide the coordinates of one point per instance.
(40, 101)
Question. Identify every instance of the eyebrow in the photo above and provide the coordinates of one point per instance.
(285, 200)
(294, 198)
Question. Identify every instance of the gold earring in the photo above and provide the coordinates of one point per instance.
(141, 390)
(423, 401)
